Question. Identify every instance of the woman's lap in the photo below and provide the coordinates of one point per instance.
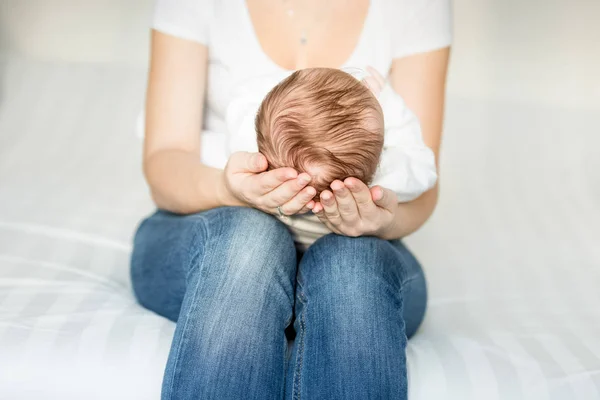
(356, 298)
(162, 278)
(167, 247)
(366, 258)
(238, 269)
(233, 289)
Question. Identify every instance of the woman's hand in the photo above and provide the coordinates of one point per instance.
(248, 182)
(352, 209)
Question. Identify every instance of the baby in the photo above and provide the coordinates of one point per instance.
(331, 125)
(323, 122)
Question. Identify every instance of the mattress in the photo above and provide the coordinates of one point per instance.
(511, 254)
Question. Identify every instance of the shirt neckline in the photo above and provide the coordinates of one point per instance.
(250, 25)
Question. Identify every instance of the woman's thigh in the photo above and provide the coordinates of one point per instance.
(357, 301)
(227, 277)
(240, 244)
(414, 288)
(369, 258)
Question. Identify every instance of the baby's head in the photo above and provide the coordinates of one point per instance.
(324, 122)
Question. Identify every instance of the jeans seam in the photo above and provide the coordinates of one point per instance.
(193, 260)
(296, 393)
(409, 280)
(285, 364)
(176, 368)
(286, 360)
(404, 262)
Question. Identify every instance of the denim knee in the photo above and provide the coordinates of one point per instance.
(242, 248)
(354, 283)
(251, 241)
(247, 229)
(336, 259)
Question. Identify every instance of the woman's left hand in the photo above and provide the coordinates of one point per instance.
(352, 209)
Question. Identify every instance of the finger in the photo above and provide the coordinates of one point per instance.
(299, 202)
(362, 196)
(330, 207)
(318, 207)
(243, 161)
(346, 204)
(307, 208)
(384, 198)
(270, 180)
(286, 191)
(323, 218)
(258, 162)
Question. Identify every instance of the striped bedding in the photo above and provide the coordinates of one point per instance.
(511, 254)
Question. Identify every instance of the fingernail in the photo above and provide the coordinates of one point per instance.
(310, 204)
(326, 196)
(304, 179)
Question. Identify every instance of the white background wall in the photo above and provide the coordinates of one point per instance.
(545, 52)
(542, 51)
(114, 31)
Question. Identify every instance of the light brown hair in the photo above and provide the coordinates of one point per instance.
(324, 122)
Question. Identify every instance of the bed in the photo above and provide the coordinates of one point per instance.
(511, 254)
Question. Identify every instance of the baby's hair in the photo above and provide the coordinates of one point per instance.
(324, 122)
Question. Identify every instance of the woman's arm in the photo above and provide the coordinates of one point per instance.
(178, 181)
(351, 208)
(421, 81)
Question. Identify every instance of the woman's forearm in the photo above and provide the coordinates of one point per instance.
(411, 216)
(421, 80)
(180, 183)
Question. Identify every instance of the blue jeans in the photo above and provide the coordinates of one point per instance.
(233, 281)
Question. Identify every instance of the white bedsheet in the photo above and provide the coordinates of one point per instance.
(511, 254)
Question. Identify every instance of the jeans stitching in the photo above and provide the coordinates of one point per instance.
(286, 360)
(405, 263)
(285, 364)
(193, 260)
(300, 351)
(176, 369)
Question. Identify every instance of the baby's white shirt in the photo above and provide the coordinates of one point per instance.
(407, 166)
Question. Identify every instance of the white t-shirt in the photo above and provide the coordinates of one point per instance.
(392, 29)
(406, 166)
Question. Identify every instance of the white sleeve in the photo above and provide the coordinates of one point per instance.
(240, 116)
(185, 19)
(407, 165)
(419, 26)
(240, 113)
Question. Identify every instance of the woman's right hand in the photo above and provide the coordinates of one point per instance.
(247, 180)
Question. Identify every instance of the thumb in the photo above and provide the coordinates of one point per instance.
(384, 198)
(257, 162)
(243, 161)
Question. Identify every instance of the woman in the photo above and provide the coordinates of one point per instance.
(215, 260)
